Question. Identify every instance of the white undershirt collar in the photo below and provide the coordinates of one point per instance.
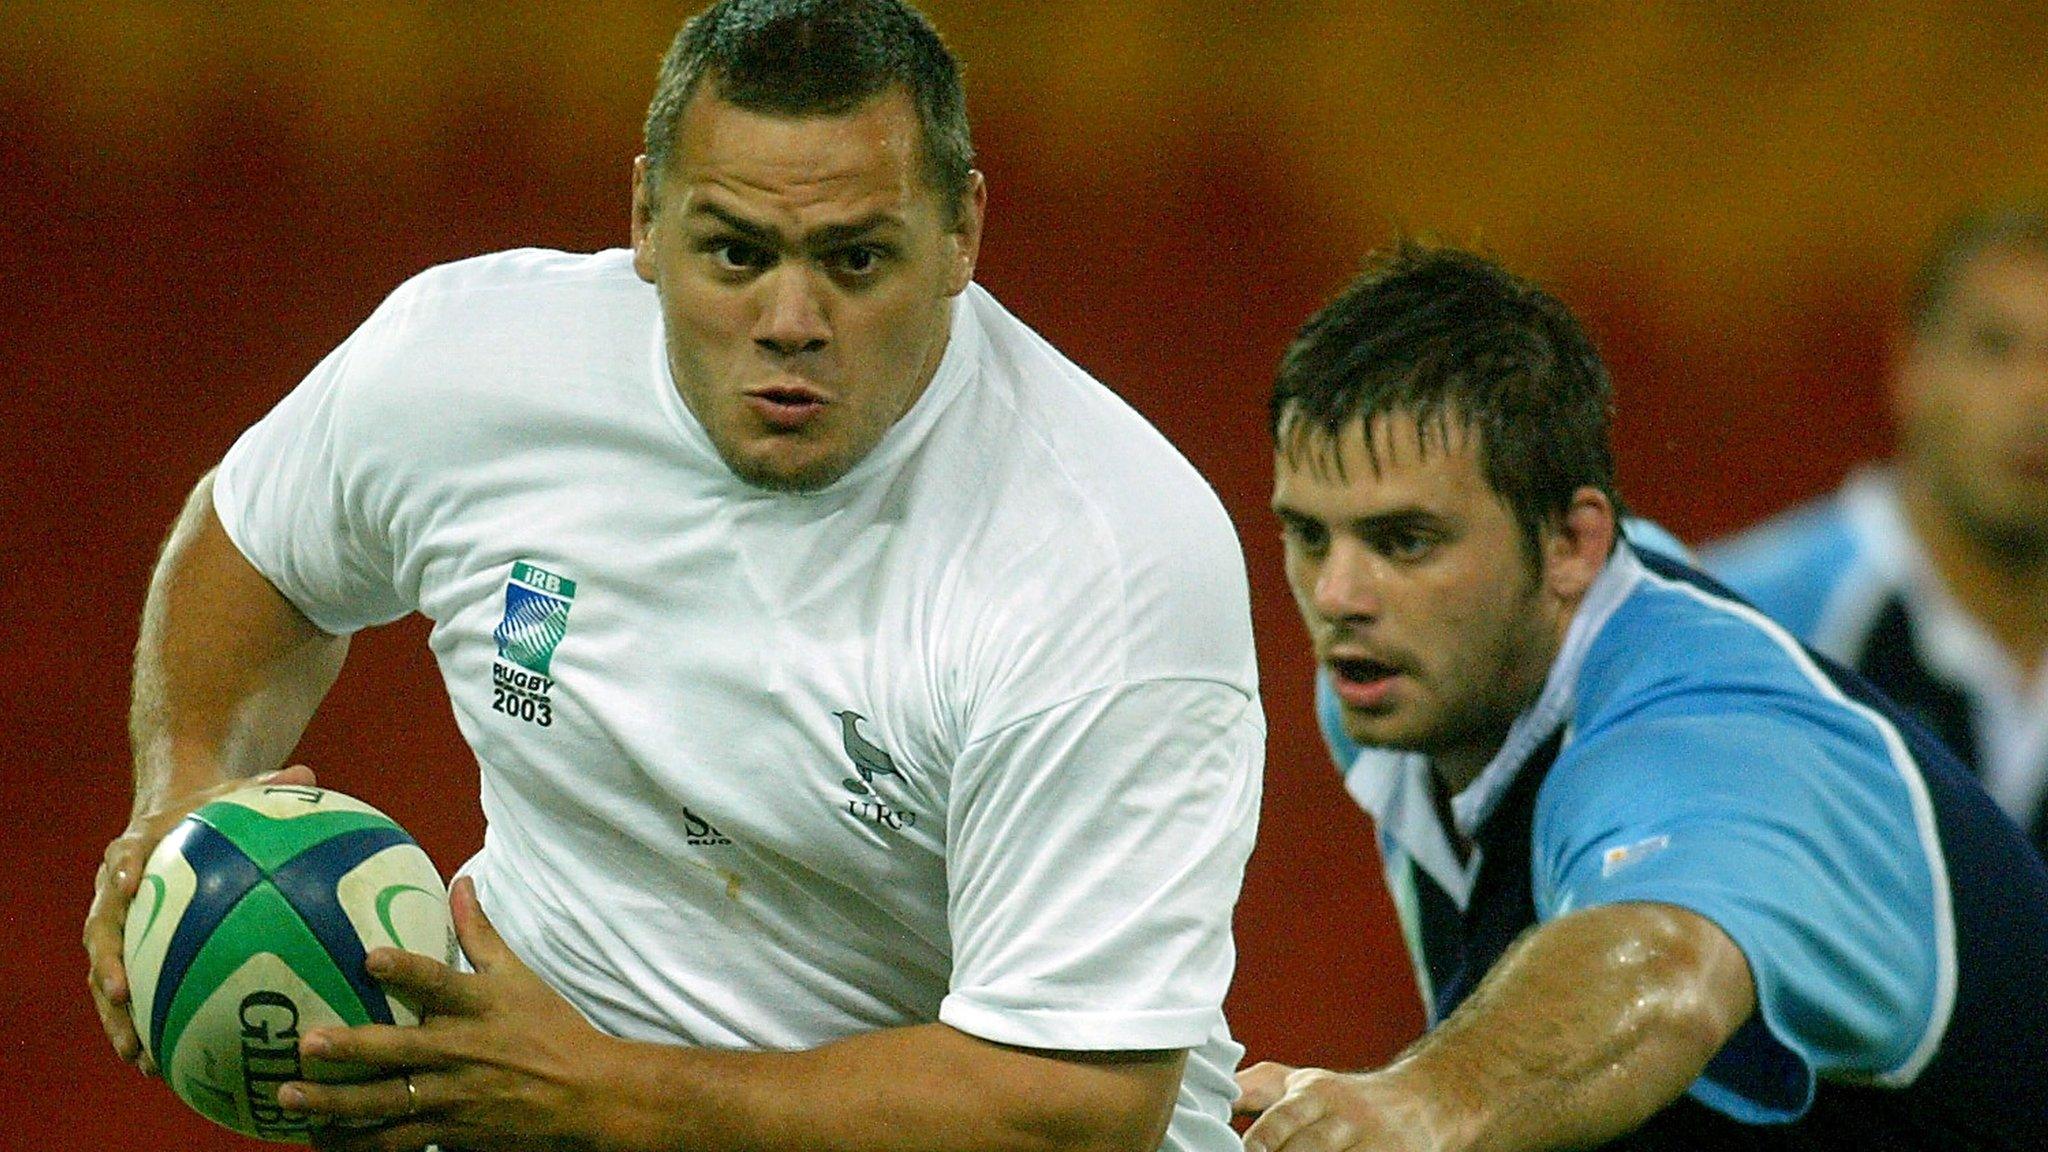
(2009, 721)
(1394, 786)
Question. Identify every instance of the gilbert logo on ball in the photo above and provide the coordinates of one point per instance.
(251, 927)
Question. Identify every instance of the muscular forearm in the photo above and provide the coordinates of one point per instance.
(501, 1060)
(901, 1090)
(1588, 1026)
(227, 671)
(1584, 1029)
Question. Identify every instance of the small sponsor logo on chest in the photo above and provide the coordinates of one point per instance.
(702, 833)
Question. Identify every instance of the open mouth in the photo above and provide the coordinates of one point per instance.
(786, 408)
(1360, 670)
(1363, 683)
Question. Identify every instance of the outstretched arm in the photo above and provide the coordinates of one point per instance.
(501, 1061)
(227, 674)
(1588, 1026)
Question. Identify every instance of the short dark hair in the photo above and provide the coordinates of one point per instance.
(1960, 242)
(818, 58)
(1450, 337)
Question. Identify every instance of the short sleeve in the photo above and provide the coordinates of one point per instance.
(1094, 853)
(292, 495)
(1801, 844)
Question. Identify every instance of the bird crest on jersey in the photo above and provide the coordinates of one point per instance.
(869, 761)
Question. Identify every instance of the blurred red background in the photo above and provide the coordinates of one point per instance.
(196, 202)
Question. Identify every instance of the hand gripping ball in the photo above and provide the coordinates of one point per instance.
(251, 927)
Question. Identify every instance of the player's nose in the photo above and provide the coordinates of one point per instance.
(793, 316)
(1346, 585)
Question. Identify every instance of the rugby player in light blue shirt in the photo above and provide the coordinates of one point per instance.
(1669, 879)
(1929, 575)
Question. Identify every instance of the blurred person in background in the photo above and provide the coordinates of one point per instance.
(864, 695)
(1929, 575)
(1667, 880)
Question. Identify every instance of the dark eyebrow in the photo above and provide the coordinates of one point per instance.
(760, 234)
(1389, 520)
(1290, 516)
(838, 235)
(1400, 519)
(824, 239)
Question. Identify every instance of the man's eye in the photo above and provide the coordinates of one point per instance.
(1406, 546)
(739, 255)
(1309, 538)
(857, 261)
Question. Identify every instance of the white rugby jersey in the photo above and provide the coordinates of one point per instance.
(970, 735)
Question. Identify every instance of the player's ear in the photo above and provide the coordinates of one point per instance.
(966, 234)
(1576, 547)
(643, 220)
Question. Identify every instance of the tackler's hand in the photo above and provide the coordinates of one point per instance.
(1260, 1086)
(1313, 1110)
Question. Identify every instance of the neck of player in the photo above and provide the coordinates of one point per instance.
(2004, 588)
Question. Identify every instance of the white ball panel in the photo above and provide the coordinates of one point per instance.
(166, 891)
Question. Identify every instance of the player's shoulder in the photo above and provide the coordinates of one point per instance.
(493, 343)
(1679, 647)
(1690, 687)
(1107, 529)
(1074, 440)
(1687, 677)
(506, 311)
(518, 273)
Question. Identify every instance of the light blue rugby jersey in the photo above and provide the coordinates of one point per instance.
(1845, 574)
(1709, 761)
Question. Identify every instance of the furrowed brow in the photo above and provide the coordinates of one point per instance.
(823, 239)
(839, 235)
(759, 233)
(1293, 518)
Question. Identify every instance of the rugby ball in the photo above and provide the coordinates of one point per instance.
(250, 928)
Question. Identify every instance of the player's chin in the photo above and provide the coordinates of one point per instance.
(1394, 724)
(1372, 730)
(793, 467)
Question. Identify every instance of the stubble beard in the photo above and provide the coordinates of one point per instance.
(1479, 708)
(2011, 536)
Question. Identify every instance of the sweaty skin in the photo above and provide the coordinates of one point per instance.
(1587, 1027)
(1437, 629)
